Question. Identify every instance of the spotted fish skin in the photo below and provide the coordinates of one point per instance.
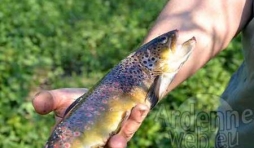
(142, 77)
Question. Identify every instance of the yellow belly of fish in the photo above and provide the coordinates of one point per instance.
(110, 120)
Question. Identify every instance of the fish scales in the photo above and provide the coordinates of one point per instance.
(98, 114)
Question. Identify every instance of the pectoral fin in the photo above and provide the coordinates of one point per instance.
(158, 89)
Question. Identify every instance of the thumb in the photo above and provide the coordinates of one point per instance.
(57, 100)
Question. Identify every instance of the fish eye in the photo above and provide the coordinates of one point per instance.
(164, 39)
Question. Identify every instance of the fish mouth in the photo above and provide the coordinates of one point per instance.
(173, 43)
(184, 50)
(188, 46)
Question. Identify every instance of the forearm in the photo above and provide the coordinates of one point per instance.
(213, 23)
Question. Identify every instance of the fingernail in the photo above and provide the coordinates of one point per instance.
(143, 111)
(143, 108)
(37, 94)
(43, 92)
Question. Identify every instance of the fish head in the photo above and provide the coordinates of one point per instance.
(164, 55)
(161, 59)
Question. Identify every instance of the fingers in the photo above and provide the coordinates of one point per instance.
(129, 127)
(56, 100)
(117, 141)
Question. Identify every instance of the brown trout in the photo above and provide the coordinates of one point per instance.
(142, 77)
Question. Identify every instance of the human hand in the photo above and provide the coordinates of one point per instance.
(59, 100)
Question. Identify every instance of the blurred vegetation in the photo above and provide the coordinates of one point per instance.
(52, 44)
